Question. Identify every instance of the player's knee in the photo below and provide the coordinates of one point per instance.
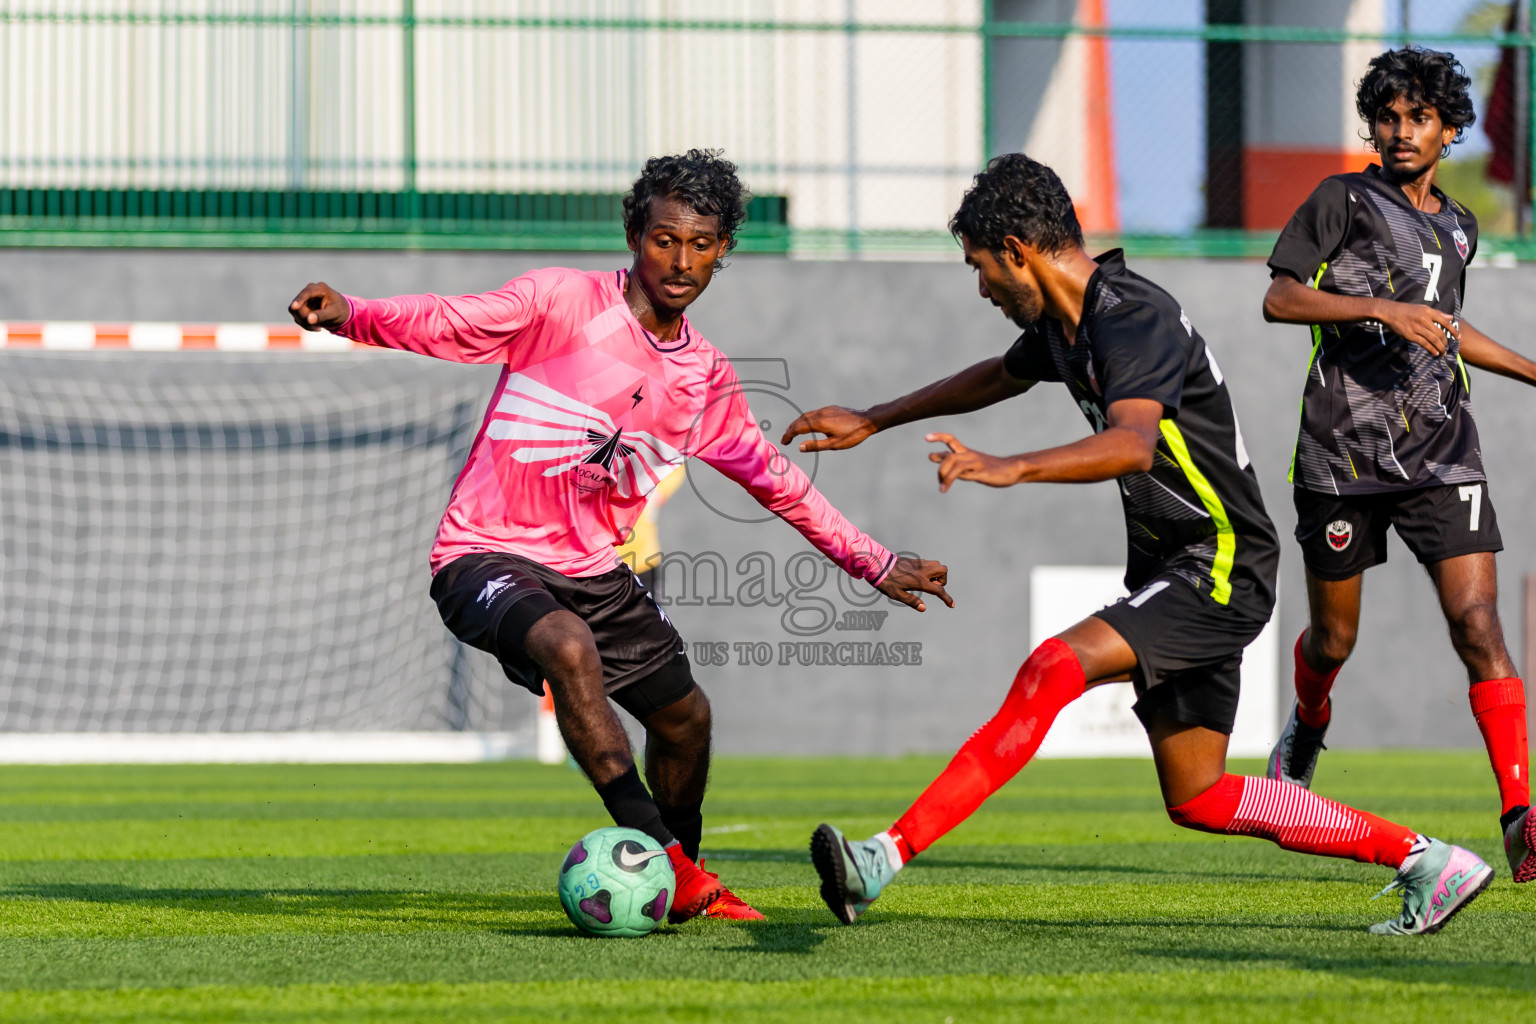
(691, 722)
(684, 722)
(570, 658)
(699, 715)
(1038, 667)
(1475, 628)
(1333, 641)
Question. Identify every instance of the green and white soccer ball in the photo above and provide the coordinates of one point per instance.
(616, 882)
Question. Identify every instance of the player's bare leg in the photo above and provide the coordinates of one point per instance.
(677, 747)
(1468, 587)
(1333, 608)
(563, 648)
(1189, 759)
(1322, 648)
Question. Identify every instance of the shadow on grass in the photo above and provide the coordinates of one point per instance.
(386, 906)
(780, 938)
(1391, 965)
(380, 904)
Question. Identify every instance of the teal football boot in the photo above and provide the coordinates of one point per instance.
(852, 873)
(1442, 881)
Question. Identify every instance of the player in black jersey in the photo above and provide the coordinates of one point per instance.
(1201, 566)
(1375, 263)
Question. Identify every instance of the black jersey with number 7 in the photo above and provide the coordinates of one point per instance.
(1379, 412)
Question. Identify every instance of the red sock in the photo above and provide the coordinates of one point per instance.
(1312, 689)
(1294, 819)
(1499, 707)
(1049, 681)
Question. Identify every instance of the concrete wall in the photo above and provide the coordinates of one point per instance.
(855, 333)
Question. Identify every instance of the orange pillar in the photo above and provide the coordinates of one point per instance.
(1098, 209)
(1301, 125)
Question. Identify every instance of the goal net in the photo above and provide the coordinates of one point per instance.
(233, 544)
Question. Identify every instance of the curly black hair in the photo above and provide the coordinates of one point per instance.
(702, 179)
(1017, 196)
(1422, 76)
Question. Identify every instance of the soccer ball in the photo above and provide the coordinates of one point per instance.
(616, 882)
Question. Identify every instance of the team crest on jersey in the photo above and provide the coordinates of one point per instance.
(574, 437)
(1339, 534)
(1460, 238)
(596, 470)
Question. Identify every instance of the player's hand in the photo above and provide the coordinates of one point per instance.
(911, 577)
(1428, 328)
(844, 428)
(319, 305)
(960, 463)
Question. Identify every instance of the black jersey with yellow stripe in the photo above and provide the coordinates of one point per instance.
(1197, 512)
(1380, 413)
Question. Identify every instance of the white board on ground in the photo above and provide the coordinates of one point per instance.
(1100, 723)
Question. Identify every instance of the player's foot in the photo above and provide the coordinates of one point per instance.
(852, 874)
(1520, 847)
(696, 888)
(729, 906)
(1294, 758)
(1439, 882)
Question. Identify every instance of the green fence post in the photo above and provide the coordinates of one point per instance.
(408, 40)
(1522, 189)
(988, 13)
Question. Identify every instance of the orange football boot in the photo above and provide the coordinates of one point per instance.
(729, 906)
(697, 889)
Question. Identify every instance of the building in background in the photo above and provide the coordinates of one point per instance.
(435, 124)
(1280, 118)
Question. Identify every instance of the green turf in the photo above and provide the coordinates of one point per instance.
(301, 893)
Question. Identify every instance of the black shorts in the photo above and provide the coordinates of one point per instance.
(1343, 535)
(491, 600)
(1188, 649)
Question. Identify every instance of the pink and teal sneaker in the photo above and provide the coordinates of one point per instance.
(1435, 884)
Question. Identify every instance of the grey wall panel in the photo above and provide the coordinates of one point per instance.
(859, 332)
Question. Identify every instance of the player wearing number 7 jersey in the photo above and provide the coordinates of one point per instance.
(606, 389)
(1375, 263)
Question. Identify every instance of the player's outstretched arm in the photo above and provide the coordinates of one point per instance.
(728, 438)
(463, 329)
(975, 387)
(1288, 301)
(1125, 445)
(1485, 353)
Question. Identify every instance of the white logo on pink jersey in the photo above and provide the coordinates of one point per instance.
(580, 438)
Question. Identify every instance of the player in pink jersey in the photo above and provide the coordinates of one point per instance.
(605, 390)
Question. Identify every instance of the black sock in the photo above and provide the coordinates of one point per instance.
(631, 806)
(687, 823)
(1505, 821)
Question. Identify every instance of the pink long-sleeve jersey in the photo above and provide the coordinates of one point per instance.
(591, 412)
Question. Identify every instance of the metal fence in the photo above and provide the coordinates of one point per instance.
(1179, 125)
